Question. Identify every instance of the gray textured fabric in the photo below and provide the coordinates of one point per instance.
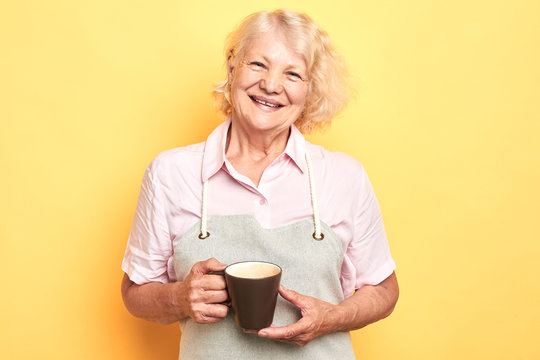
(310, 267)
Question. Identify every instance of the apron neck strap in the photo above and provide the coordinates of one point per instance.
(204, 232)
(317, 234)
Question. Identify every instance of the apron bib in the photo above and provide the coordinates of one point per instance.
(310, 266)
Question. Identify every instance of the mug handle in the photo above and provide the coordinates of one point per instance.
(222, 273)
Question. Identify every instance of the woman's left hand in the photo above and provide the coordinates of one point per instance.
(368, 304)
(318, 318)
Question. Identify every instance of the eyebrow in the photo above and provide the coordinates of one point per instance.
(288, 67)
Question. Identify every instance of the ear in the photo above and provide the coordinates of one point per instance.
(230, 67)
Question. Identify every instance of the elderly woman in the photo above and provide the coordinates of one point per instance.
(257, 190)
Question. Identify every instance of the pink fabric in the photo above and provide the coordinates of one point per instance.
(170, 204)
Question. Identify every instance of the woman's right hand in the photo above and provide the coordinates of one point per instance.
(201, 294)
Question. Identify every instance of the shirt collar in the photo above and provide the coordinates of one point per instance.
(296, 148)
(214, 150)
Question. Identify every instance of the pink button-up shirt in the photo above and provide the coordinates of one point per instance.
(170, 204)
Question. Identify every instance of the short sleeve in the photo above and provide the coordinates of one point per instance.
(369, 251)
(149, 246)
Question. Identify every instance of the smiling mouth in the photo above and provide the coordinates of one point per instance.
(265, 103)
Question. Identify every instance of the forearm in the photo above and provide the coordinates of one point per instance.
(153, 301)
(367, 305)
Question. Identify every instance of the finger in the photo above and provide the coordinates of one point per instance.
(208, 296)
(282, 332)
(201, 290)
(271, 326)
(299, 340)
(293, 297)
(204, 267)
(203, 319)
(213, 311)
(210, 320)
(214, 282)
(208, 282)
(208, 313)
(216, 297)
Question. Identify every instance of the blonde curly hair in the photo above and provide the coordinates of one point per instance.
(328, 89)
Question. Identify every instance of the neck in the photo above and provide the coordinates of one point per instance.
(251, 152)
(255, 144)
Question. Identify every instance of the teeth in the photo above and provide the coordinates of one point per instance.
(265, 103)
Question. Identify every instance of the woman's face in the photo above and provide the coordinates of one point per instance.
(269, 86)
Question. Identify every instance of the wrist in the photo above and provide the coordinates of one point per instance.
(343, 315)
(176, 299)
(334, 319)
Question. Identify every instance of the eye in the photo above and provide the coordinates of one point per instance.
(294, 76)
(256, 65)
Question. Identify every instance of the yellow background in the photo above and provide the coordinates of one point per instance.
(446, 122)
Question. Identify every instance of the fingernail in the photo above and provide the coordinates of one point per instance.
(263, 333)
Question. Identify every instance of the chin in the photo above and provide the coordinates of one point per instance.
(270, 125)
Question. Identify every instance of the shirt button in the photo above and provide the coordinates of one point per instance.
(262, 201)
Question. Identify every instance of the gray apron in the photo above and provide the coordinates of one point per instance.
(310, 266)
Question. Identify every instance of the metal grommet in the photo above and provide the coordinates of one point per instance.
(318, 238)
(202, 237)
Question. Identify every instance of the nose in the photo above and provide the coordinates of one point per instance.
(271, 82)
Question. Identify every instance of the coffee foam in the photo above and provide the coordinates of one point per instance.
(253, 270)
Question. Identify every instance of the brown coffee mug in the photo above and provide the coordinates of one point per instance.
(253, 289)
